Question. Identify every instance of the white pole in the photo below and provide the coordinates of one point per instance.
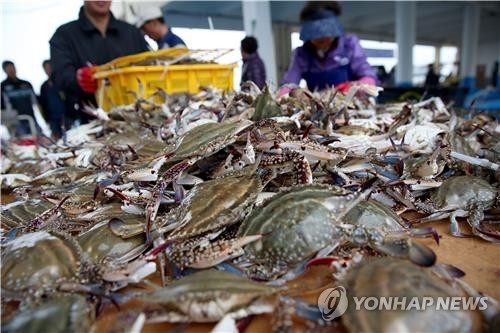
(257, 23)
(405, 38)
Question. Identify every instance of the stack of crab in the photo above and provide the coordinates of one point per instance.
(215, 204)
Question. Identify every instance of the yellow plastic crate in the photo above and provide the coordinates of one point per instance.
(115, 80)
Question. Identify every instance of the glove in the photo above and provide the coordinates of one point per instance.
(85, 80)
(286, 89)
(283, 91)
(344, 86)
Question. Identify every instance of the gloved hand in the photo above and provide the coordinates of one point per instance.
(286, 89)
(344, 86)
(85, 80)
(283, 91)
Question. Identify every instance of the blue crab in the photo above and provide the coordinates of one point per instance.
(208, 296)
(208, 209)
(299, 222)
(60, 314)
(389, 277)
(462, 196)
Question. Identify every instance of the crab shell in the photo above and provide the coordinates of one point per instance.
(68, 313)
(99, 242)
(386, 277)
(374, 215)
(216, 203)
(38, 260)
(207, 296)
(207, 139)
(295, 224)
(462, 192)
(21, 212)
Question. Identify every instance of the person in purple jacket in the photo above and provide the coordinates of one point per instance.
(253, 66)
(328, 57)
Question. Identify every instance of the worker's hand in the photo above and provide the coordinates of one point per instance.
(85, 80)
(283, 91)
(286, 89)
(365, 80)
(344, 86)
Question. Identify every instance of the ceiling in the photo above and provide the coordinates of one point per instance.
(438, 22)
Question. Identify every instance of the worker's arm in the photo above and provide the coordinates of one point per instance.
(63, 63)
(294, 72)
(360, 67)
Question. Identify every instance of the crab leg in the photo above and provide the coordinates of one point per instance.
(45, 218)
(153, 205)
(454, 227)
(145, 174)
(476, 161)
(302, 167)
(395, 244)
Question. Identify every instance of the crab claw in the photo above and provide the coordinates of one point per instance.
(321, 261)
(448, 271)
(489, 235)
(425, 232)
(404, 247)
(105, 183)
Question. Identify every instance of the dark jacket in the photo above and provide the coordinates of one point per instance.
(78, 43)
(254, 70)
(19, 94)
(52, 102)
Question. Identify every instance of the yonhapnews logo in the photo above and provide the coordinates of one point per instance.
(332, 303)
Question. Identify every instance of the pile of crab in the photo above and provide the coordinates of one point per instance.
(207, 207)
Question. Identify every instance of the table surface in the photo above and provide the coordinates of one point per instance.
(480, 260)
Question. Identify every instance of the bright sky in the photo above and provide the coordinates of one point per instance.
(26, 27)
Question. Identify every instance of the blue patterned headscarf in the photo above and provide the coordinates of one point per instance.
(323, 24)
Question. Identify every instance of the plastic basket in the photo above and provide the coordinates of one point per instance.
(117, 79)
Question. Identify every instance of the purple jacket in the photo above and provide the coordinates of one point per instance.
(348, 51)
(254, 70)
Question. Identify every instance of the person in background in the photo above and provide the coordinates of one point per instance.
(453, 78)
(494, 75)
(382, 75)
(253, 66)
(431, 79)
(328, 57)
(17, 94)
(95, 38)
(52, 101)
(150, 21)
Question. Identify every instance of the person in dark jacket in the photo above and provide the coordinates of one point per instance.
(17, 94)
(431, 79)
(253, 66)
(94, 39)
(52, 102)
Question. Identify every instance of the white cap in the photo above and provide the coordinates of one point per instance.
(146, 13)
